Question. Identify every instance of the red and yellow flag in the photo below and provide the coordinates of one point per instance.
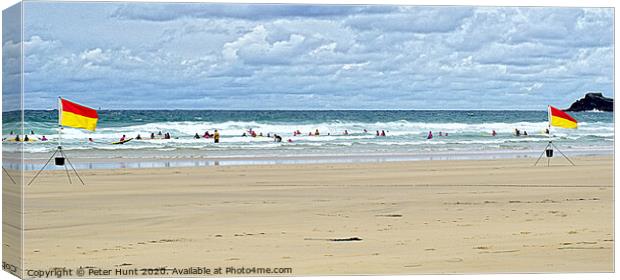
(560, 118)
(76, 115)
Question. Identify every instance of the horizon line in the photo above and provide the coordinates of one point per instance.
(250, 110)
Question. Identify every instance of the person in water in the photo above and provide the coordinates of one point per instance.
(440, 133)
(383, 133)
(207, 134)
(253, 133)
(17, 138)
(26, 139)
(378, 133)
(524, 133)
(43, 138)
(546, 131)
(517, 132)
(346, 132)
(159, 133)
(152, 135)
(244, 135)
(493, 133)
(277, 138)
(122, 138)
(90, 139)
(138, 137)
(216, 137)
(196, 136)
(316, 132)
(167, 136)
(32, 132)
(430, 135)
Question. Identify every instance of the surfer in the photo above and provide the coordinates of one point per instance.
(277, 138)
(493, 133)
(122, 138)
(546, 131)
(216, 136)
(17, 138)
(32, 132)
(378, 133)
(346, 132)
(524, 133)
(430, 135)
(138, 137)
(316, 132)
(90, 139)
(43, 138)
(26, 139)
(196, 136)
(440, 133)
(383, 133)
(152, 135)
(517, 132)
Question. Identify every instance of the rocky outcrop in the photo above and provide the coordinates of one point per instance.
(593, 101)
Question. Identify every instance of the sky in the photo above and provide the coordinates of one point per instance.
(239, 56)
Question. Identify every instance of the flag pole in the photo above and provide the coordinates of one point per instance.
(549, 122)
(59, 121)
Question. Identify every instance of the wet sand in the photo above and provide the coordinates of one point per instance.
(476, 216)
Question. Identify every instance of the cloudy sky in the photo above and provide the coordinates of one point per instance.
(225, 56)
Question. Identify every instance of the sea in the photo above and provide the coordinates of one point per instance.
(464, 135)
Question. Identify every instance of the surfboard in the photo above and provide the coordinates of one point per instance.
(21, 140)
(122, 142)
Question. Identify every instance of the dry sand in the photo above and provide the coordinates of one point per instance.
(479, 216)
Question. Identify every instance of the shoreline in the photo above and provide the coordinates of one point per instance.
(201, 161)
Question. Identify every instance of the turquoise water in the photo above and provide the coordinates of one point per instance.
(468, 132)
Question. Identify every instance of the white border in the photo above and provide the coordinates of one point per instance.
(544, 3)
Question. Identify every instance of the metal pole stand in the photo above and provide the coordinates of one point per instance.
(59, 161)
(8, 175)
(548, 151)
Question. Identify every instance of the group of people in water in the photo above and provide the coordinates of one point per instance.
(250, 133)
(278, 138)
(26, 138)
(207, 135)
(430, 134)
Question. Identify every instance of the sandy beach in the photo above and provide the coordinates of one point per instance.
(478, 216)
